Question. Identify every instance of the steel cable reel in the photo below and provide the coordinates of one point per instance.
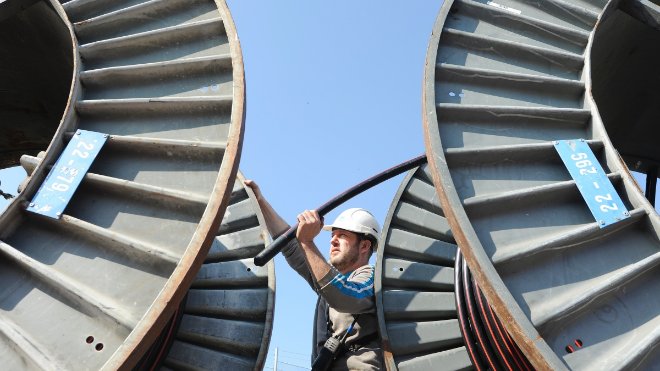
(426, 318)
(94, 287)
(227, 316)
(415, 281)
(506, 82)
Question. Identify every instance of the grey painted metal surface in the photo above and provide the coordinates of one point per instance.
(228, 315)
(92, 290)
(503, 80)
(415, 282)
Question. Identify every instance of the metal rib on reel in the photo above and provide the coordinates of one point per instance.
(503, 81)
(227, 317)
(419, 320)
(414, 281)
(92, 290)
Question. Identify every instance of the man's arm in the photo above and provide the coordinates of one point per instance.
(352, 293)
(306, 259)
(309, 226)
(348, 294)
(275, 224)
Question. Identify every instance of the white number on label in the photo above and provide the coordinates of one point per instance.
(68, 180)
(87, 146)
(591, 170)
(80, 154)
(583, 163)
(606, 208)
(578, 156)
(61, 187)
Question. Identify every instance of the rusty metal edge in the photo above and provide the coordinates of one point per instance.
(153, 321)
(270, 307)
(13, 215)
(507, 309)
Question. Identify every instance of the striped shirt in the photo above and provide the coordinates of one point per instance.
(347, 295)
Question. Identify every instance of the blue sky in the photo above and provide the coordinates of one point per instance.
(333, 97)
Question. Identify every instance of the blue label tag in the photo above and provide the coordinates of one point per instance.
(64, 178)
(596, 189)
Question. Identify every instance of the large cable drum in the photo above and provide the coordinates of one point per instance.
(431, 314)
(505, 83)
(415, 282)
(163, 80)
(227, 318)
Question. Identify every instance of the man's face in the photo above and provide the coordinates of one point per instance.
(344, 250)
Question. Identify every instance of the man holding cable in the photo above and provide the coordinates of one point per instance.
(346, 327)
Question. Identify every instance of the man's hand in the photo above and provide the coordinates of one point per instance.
(274, 222)
(309, 226)
(255, 188)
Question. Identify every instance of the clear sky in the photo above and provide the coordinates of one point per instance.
(333, 97)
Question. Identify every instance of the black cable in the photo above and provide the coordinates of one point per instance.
(271, 250)
(477, 326)
(505, 360)
(156, 354)
(651, 182)
(489, 345)
(463, 317)
(516, 354)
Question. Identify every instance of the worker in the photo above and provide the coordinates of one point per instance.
(345, 307)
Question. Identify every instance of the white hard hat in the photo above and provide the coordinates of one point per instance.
(356, 220)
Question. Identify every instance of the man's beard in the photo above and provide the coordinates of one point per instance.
(342, 262)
